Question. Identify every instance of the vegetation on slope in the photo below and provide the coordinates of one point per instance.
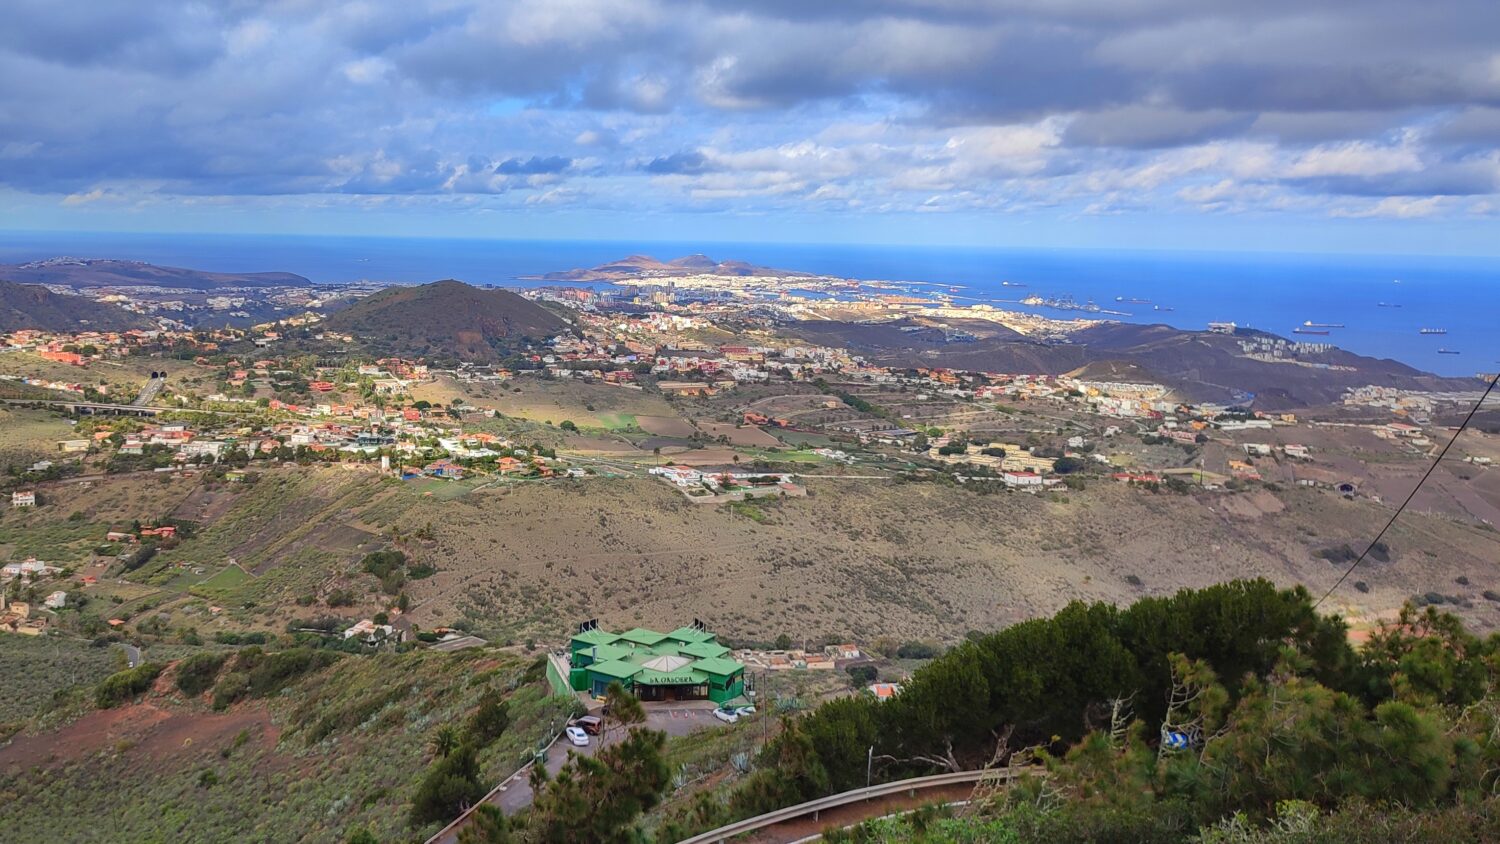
(1274, 703)
(310, 751)
(446, 320)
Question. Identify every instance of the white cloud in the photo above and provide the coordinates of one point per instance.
(84, 198)
(1396, 207)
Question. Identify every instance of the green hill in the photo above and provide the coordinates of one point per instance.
(446, 319)
(33, 306)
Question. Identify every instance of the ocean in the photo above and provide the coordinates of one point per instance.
(1273, 292)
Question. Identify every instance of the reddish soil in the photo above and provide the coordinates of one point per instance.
(160, 733)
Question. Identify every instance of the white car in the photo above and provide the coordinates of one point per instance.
(728, 716)
(745, 711)
(577, 736)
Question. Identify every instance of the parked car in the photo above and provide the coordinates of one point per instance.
(591, 724)
(728, 716)
(745, 711)
(577, 737)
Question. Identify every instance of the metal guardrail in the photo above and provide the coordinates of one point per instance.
(858, 795)
(525, 770)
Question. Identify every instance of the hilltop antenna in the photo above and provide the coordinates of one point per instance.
(1425, 475)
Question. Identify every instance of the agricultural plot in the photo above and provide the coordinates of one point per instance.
(666, 426)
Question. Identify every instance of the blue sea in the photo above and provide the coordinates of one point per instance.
(1273, 292)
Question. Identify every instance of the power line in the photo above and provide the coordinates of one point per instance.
(1414, 491)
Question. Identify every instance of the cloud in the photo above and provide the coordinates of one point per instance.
(1395, 207)
(937, 106)
(688, 161)
(534, 165)
(83, 198)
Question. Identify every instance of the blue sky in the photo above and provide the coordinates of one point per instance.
(1344, 125)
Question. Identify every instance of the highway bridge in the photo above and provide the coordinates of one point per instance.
(83, 407)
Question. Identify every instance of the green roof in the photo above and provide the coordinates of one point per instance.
(642, 636)
(690, 634)
(682, 677)
(703, 650)
(594, 637)
(606, 653)
(617, 668)
(718, 666)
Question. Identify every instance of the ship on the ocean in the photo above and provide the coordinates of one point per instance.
(1447, 352)
(1433, 331)
(1300, 330)
(1129, 301)
(1311, 324)
(1388, 305)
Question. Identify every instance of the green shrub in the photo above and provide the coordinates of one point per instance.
(124, 685)
(256, 673)
(196, 674)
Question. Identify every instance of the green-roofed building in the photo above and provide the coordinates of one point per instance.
(686, 664)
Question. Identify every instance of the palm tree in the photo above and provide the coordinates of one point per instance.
(445, 740)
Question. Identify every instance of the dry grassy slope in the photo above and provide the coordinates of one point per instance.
(867, 558)
(341, 748)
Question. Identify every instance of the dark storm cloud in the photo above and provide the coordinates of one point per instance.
(874, 101)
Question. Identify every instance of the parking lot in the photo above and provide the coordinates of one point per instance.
(679, 720)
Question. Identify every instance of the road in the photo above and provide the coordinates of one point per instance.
(132, 653)
(148, 392)
(515, 794)
(805, 820)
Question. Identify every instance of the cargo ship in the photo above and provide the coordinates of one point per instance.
(1433, 331)
(1132, 301)
(1447, 352)
(1311, 324)
(1300, 330)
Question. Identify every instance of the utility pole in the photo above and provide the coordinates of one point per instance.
(869, 768)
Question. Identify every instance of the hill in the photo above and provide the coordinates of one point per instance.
(106, 272)
(1201, 366)
(446, 319)
(312, 743)
(636, 266)
(34, 306)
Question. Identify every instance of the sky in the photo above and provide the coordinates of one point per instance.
(1337, 125)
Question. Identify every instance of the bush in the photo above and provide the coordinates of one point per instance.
(489, 721)
(862, 675)
(124, 685)
(196, 674)
(451, 785)
(258, 674)
(917, 650)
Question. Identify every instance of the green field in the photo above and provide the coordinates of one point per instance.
(229, 578)
(618, 421)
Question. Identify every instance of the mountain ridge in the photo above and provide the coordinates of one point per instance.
(33, 306)
(113, 272)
